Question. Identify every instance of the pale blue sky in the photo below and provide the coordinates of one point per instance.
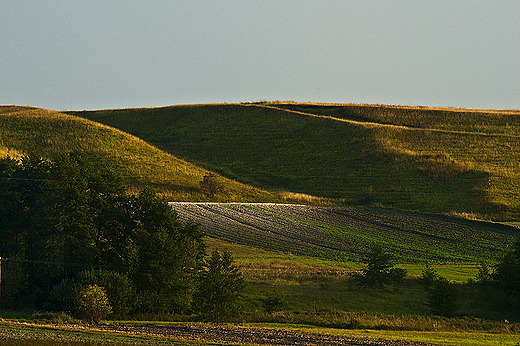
(90, 54)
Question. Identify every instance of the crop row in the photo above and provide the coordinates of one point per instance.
(347, 233)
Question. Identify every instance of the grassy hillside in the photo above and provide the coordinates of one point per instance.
(47, 133)
(448, 161)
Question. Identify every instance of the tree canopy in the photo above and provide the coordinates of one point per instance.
(61, 217)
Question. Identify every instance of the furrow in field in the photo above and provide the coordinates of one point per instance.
(346, 233)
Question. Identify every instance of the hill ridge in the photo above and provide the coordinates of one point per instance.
(377, 124)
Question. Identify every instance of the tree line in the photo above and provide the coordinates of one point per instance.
(495, 286)
(70, 224)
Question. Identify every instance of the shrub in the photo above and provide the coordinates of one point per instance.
(65, 297)
(273, 303)
(94, 304)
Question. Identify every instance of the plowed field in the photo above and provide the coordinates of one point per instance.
(338, 233)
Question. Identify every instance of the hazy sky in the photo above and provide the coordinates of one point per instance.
(89, 54)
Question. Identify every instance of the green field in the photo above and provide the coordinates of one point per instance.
(441, 161)
(409, 177)
(347, 234)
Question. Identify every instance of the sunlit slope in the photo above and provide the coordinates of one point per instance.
(47, 133)
(464, 162)
(488, 141)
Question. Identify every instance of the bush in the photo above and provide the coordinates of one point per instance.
(65, 297)
(273, 303)
(94, 304)
(118, 288)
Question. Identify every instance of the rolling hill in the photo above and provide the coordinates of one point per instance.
(29, 130)
(306, 148)
(441, 161)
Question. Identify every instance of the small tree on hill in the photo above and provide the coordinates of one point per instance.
(212, 184)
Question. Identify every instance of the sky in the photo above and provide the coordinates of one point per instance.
(98, 54)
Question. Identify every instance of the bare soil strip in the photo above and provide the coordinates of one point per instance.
(248, 335)
(151, 334)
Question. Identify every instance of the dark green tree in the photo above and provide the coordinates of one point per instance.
(443, 297)
(379, 270)
(169, 255)
(506, 277)
(507, 272)
(428, 277)
(219, 289)
(484, 275)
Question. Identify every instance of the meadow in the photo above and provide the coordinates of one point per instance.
(35, 131)
(441, 161)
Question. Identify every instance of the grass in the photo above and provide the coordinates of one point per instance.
(429, 160)
(28, 130)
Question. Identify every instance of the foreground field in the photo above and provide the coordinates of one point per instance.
(346, 234)
(122, 334)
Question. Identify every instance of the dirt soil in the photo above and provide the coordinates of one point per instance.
(248, 335)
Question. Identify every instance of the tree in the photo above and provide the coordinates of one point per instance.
(442, 297)
(379, 271)
(484, 275)
(94, 303)
(169, 256)
(428, 277)
(507, 272)
(212, 184)
(219, 289)
(69, 215)
(506, 276)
